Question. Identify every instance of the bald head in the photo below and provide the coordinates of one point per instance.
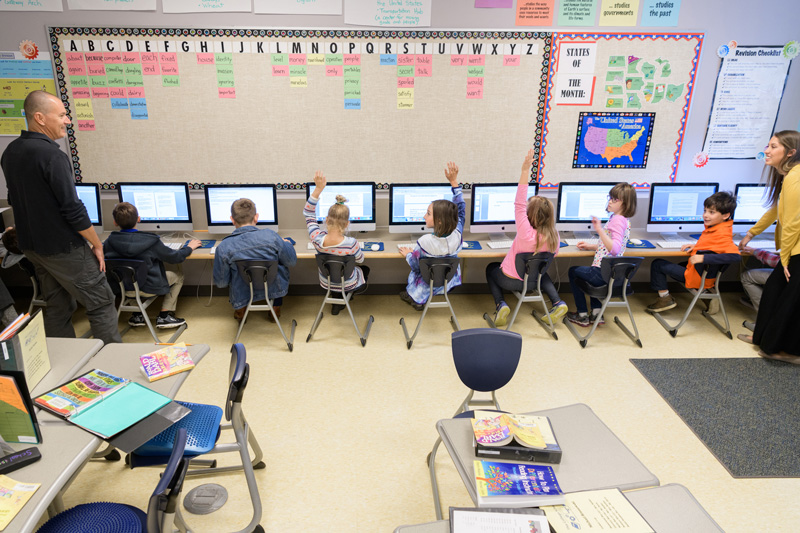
(46, 114)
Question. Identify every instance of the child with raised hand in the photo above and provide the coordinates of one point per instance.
(613, 238)
(447, 220)
(334, 241)
(536, 232)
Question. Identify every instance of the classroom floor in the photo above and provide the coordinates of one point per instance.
(346, 429)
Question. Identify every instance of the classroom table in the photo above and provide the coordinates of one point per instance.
(593, 457)
(668, 509)
(66, 448)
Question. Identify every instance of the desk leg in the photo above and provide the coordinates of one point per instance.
(56, 506)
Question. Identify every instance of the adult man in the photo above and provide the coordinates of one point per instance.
(249, 242)
(53, 226)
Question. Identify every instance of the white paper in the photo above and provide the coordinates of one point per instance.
(112, 5)
(200, 6)
(388, 13)
(486, 522)
(749, 89)
(31, 5)
(298, 7)
(596, 510)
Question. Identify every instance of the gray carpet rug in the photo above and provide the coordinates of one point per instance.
(745, 410)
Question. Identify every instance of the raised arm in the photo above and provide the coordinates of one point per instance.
(451, 173)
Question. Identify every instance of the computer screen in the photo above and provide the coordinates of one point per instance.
(579, 202)
(751, 199)
(408, 203)
(360, 199)
(220, 197)
(678, 206)
(492, 206)
(89, 194)
(161, 206)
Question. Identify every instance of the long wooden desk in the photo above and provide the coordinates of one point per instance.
(668, 509)
(66, 448)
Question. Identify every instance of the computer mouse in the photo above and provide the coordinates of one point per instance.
(375, 247)
(635, 242)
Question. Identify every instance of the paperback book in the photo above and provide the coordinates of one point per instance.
(515, 437)
(516, 485)
(13, 496)
(166, 362)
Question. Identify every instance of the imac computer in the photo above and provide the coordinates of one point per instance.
(162, 206)
(89, 194)
(578, 203)
(408, 203)
(492, 208)
(751, 199)
(677, 207)
(220, 197)
(360, 200)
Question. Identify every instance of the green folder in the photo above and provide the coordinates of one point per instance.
(120, 410)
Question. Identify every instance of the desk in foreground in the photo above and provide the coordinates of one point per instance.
(668, 509)
(593, 457)
(66, 448)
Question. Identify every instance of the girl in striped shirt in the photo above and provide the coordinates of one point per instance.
(334, 241)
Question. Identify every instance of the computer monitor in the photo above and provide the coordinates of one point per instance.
(408, 203)
(678, 206)
(89, 194)
(579, 202)
(220, 197)
(750, 205)
(492, 207)
(360, 199)
(161, 206)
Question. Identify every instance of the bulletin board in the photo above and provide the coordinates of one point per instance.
(273, 106)
(617, 106)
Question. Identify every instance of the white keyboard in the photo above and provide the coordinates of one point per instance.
(499, 244)
(406, 245)
(310, 245)
(762, 245)
(574, 242)
(674, 244)
(174, 245)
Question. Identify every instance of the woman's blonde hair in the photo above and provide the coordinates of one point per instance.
(339, 214)
(542, 217)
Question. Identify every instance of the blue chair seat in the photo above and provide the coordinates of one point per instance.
(202, 432)
(101, 517)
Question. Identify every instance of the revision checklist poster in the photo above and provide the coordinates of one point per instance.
(746, 100)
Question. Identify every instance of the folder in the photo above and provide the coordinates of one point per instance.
(26, 351)
(17, 418)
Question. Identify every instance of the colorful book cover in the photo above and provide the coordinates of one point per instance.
(16, 410)
(79, 393)
(531, 484)
(493, 429)
(166, 362)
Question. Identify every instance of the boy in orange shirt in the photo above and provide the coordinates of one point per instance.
(717, 237)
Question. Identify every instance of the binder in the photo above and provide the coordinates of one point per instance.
(17, 417)
(26, 351)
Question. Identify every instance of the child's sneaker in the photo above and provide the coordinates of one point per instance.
(169, 321)
(599, 319)
(410, 301)
(663, 303)
(583, 321)
(136, 320)
(501, 315)
(712, 307)
(336, 308)
(556, 312)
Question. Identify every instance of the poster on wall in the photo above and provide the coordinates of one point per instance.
(18, 77)
(747, 97)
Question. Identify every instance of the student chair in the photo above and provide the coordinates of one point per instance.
(260, 272)
(203, 429)
(530, 267)
(127, 275)
(338, 270)
(705, 270)
(617, 272)
(436, 272)
(36, 300)
(486, 360)
(163, 509)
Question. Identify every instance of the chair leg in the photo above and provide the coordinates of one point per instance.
(250, 477)
(635, 335)
(549, 326)
(726, 329)
(362, 338)
(437, 506)
(489, 320)
(319, 317)
(244, 320)
(290, 339)
(453, 319)
(673, 330)
(513, 316)
(410, 340)
(178, 333)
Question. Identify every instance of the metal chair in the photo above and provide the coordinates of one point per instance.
(36, 300)
(705, 270)
(128, 275)
(261, 272)
(486, 360)
(436, 272)
(530, 267)
(617, 272)
(338, 269)
(203, 429)
(163, 509)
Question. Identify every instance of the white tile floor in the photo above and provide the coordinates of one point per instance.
(346, 429)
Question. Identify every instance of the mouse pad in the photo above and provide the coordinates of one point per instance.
(206, 243)
(645, 244)
(368, 246)
(471, 245)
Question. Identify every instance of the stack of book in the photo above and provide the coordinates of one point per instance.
(515, 437)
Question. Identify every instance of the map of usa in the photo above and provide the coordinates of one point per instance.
(610, 139)
(612, 143)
